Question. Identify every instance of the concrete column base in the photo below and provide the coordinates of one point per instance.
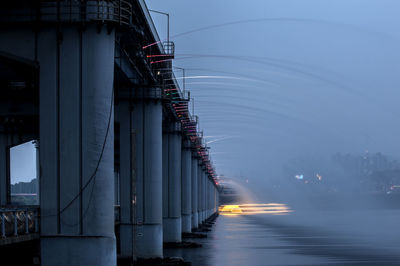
(195, 220)
(78, 250)
(172, 230)
(126, 240)
(186, 223)
(149, 241)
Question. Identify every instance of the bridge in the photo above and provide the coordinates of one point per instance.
(123, 167)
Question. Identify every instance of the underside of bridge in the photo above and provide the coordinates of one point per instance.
(121, 165)
(19, 111)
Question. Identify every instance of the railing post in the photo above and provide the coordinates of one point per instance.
(119, 1)
(102, 10)
(98, 9)
(26, 222)
(3, 226)
(36, 217)
(15, 223)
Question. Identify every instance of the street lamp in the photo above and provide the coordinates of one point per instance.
(183, 72)
(166, 14)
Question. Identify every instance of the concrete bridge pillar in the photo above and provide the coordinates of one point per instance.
(127, 152)
(195, 201)
(172, 151)
(209, 198)
(217, 202)
(204, 197)
(213, 199)
(200, 190)
(75, 72)
(186, 187)
(76, 139)
(76, 146)
(210, 193)
(146, 136)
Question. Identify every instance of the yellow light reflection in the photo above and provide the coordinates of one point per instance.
(250, 209)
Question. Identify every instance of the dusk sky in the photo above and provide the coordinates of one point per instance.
(272, 80)
(23, 163)
(280, 146)
(277, 79)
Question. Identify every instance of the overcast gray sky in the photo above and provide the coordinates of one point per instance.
(23, 162)
(296, 77)
(275, 79)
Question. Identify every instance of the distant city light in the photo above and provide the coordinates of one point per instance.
(299, 177)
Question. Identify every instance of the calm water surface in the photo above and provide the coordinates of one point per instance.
(302, 238)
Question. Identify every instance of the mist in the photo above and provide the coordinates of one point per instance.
(299, 88)
(306, 78)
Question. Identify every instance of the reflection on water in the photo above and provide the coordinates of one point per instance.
(249, 209)
(339, 237)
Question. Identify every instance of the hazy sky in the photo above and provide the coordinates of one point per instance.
(273, 80)
(23, 163)
(296, 77)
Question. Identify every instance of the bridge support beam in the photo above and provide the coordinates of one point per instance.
(172, 151)
(147, 129)
(186, 187)
(195, 200)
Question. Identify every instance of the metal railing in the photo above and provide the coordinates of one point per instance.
(117, 11)
(16, 221)
(169, 48)
(24, 220)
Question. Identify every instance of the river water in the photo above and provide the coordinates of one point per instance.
(348, 237)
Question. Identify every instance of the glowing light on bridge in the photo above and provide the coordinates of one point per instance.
(160, 61)
(151, 44)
